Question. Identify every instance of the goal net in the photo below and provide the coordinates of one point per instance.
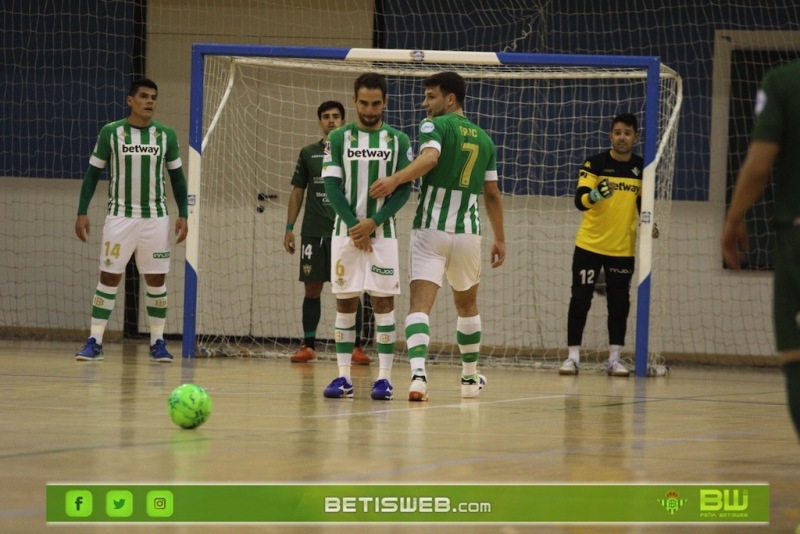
(254, 108)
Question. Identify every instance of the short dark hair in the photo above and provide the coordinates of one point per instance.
(371, 80)
(330, 104)
(448, 83)
(141, 82)
(628, 119)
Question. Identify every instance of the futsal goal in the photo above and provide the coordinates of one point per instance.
(254, 107)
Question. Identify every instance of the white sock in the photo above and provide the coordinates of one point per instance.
(574, 353)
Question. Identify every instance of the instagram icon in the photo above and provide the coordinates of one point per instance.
(159, 503)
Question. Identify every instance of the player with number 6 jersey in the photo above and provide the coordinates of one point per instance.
(364, 250)
(359, 157)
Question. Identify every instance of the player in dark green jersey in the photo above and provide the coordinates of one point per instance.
(137, 150)
(772, 152)
(609, 195)
(315, 233)
(457, 163)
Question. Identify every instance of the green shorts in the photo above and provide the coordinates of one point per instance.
(315, 259)
(786, 306)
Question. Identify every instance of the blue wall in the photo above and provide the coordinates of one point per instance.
(62, 78)
(680, 32)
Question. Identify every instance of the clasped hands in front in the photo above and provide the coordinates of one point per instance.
(361, 232)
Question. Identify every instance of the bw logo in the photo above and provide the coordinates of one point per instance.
(306, 269)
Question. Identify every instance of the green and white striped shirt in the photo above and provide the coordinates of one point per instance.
(358, 158)
(137, 159)
(448, 199)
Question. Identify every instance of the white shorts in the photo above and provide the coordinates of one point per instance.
(148, 238)
(435, 253)
(354, 271)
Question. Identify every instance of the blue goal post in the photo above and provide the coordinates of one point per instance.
(650, 66)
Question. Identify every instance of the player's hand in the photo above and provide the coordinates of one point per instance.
(498, 253)
(288, 241)
(82, 227)
(360, 234)
(181, 229)
(382, 187)
(362, 230)
(734, 243)
(603, 191)
(364, 243)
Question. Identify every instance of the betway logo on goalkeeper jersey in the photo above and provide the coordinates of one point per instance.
(146, 150)
(369, 153)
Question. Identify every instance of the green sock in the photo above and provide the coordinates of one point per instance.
(312, 310)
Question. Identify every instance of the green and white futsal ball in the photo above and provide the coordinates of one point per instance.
(189, 406)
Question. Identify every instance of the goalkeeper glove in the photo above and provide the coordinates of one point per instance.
(601, 192)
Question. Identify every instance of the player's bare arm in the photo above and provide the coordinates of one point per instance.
(383, 187)
(493, 201)
(753, 178)
(181, 229)
(295, 203)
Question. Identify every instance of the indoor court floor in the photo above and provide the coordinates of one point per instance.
(63, 421)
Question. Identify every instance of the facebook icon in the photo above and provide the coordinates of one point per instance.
(78, 503)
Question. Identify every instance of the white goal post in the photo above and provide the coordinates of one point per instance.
(253, 108)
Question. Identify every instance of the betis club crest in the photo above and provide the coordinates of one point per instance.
(672, 502)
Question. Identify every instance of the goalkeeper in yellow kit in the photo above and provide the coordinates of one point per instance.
(609, 195)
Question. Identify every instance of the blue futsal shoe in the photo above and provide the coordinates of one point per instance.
(339, 388)
(91, 351)
(159, 352)
(382, 390)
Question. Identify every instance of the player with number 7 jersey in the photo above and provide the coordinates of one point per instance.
(449, 192)
(457, 162)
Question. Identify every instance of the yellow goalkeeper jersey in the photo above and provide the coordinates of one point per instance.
(609, 226)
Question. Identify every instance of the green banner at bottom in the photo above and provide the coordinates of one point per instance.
(425, 503)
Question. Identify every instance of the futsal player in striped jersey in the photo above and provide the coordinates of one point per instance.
(364, 250)
(136, 151)
(457, 163)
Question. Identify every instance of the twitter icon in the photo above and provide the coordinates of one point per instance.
(119, 503)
